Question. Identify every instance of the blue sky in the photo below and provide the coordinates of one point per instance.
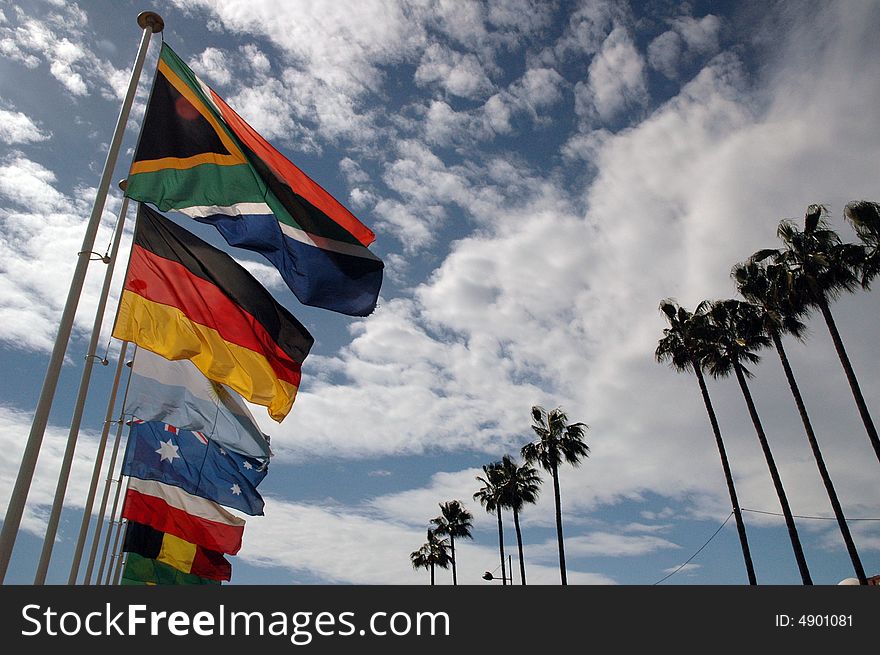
(539, 175)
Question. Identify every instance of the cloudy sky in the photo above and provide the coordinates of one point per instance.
(539, 175)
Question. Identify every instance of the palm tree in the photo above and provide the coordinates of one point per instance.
(735, 337)
(490, 496)
(756, 283)
(558, 440)
(434, 552)
(819, 266)
(682, 347)
(520, 485)
(864, 216)
(454, 521)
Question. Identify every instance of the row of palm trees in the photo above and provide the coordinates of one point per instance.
(509, 485)
(780, 288)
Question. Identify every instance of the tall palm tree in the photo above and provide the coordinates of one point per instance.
(735, 337)
(864, 216)
(819, 267)
(682, 347)
(491, 497)
(520, 485)
(454, 521)
(558, 440)
(434, 552)
(778, 316)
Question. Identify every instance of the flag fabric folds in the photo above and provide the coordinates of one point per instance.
(172, 551)
(196, 464)
(141, 570)
(170, 509)
(197, 156)
(185, 299)
(177, 392)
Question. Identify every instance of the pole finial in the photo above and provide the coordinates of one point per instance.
(152, 20)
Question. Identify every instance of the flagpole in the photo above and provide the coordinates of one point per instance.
(119, 523)
(150, 23)
(76, 420)
(115, 566)
(119, 545)
(96, 471)
(114, 519)
(74, 570)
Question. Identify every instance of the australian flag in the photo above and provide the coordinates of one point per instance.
(196, 464)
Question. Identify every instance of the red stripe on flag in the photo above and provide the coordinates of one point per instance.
(161, 516)
(172, 284)
(298, 181)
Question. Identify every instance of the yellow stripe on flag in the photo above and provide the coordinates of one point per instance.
(235, 157)
(168, 332)
(177, 553)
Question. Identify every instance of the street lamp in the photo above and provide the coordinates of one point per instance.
(489, 576)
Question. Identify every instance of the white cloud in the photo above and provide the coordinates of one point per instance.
(269, 541)
(616, 79)
(16, 127)
(664, 52)
(699, 35)
(339, 51)
(457, 73)
(265, 106)
(539, 87)
(603, 544)
(688, 38)
(57, 40)
(213, 65)
(684, 569)
(550, 306)
(587, 28)
(14, 427)
(411, 228)
(42, 231)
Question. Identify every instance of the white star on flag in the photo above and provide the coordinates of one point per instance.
(167, 450)
(248, 466)
(236, 490)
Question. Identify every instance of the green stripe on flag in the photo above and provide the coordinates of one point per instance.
(143, 571)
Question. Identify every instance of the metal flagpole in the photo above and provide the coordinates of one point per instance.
(116, 554)
(100, 522)
(119, 548)
(96, 471)
(113, 520)
(75, 421)
(119, 523)
(151, 23)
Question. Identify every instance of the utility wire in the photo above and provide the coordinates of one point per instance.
(698, 551)
(798, 516)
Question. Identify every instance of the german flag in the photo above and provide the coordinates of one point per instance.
(185, 299)
(176, 552)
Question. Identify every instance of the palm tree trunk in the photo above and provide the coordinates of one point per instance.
(452, 549)
(501, 548)
(554, 472)
(737, 512)
(774, 473)
(851, 377)
(820, 462)
(522, 562)
(432, 575)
